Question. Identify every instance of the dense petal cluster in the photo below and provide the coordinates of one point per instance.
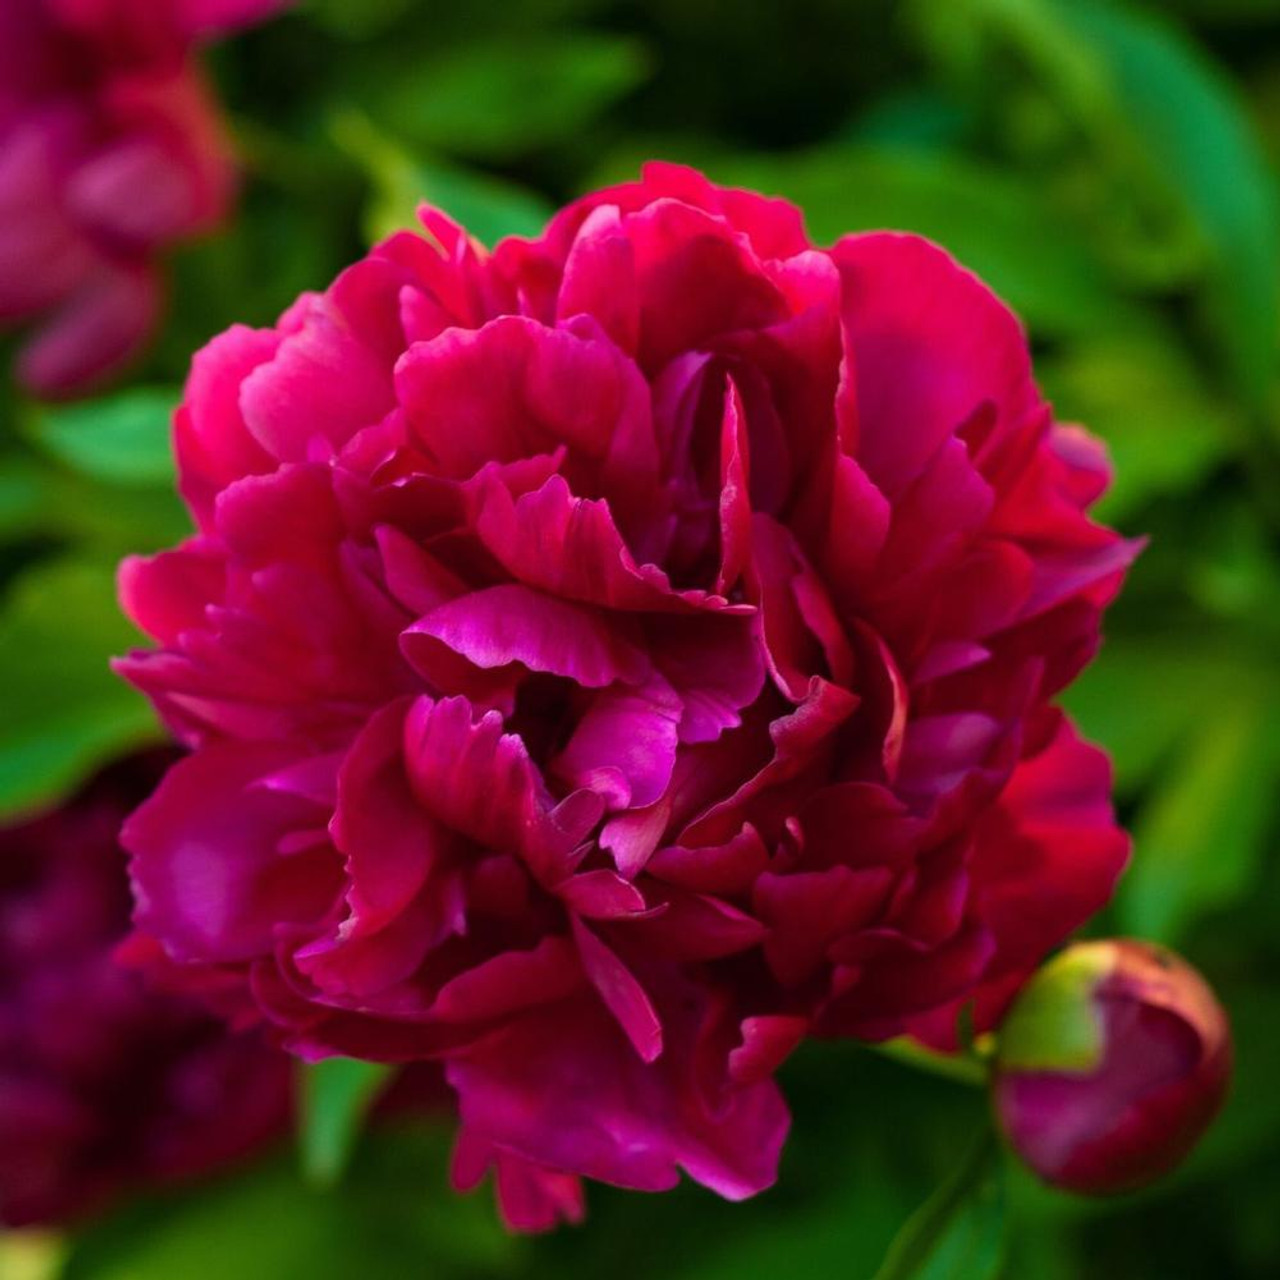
(111, 147)
(612, 659)
(106, 1085)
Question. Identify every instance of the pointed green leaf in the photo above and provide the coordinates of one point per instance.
(118, 439)
(1150, 693)
(501, 97)
(336, 1097)
(488, 208)
(1199, 842)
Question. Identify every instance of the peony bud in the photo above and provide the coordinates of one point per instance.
(1110, 1065)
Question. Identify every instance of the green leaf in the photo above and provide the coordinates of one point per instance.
(1231, 567)
(65, 712)
(119, 439)
(914, 117)
(23, 495)
(1197, 133)
(1200, 840)
(852, 1174)
(502, 97)
(336, 1097)
(489, 208)
(1150, 692)
(839, 1233)
(958, 1233)
(1165, 125)
(356, 21)
(1139, 392)
(1227, 12)
(43, 500)
(394, 1216)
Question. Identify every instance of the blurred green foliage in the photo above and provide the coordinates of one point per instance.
(1111, 168)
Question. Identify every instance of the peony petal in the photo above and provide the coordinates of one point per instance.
(715, 666)
(601, 895)
(570, 1093)
(735, 502)
(806, 911)
(766, 1043)
(168, 593)
(621, 992)
(729, 868)
(530, 1197)
(512, 623)
(391, 845)
(206, 872)
(624, 746)
(571, 547)
(323, 384)
(212, 442)
(800, 741)
(499, 393)
(480, 782)
(599, 278)
(511, 982)
(687, 927)
(930, 345)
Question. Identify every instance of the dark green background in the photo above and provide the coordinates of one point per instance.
(1111, 169)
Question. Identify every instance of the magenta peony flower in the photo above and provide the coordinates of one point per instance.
(104, 1084)
(111, 147)
(1112, 1062)
(612, 660)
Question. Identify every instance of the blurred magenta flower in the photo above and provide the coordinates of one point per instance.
(111, 147)
(106, 1086)
(1111, 1064)
(611, 660)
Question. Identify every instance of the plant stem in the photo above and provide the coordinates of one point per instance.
(961, 1067)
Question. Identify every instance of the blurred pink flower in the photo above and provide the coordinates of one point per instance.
(111, 148)
(612, 660)
(106, 1086)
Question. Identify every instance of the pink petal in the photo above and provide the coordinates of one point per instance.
(735, 503)
(930, 345)
(569, 1093)
(530, 1197)
(480, 782)
(512, 623)
(323, 385)
(208, 879)
(621, 992)
(766, 1043)
(511, 982)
